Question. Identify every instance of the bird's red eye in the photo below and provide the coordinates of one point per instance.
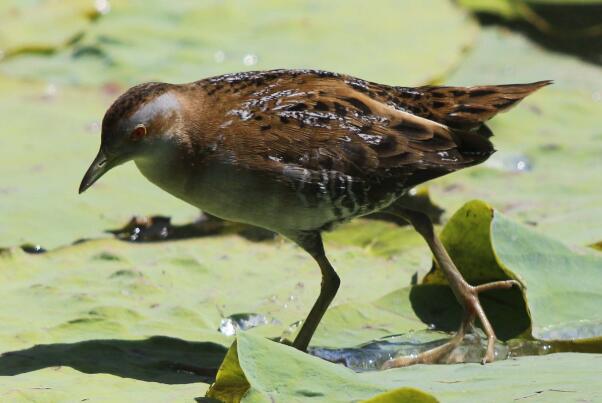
(138, 132)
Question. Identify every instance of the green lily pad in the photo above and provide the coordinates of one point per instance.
(99, 306)
(96, 306)
(562, 288)
(113, 289)
(42, 26)
(142, 41)
(64, 384)
(272, 371)
(294, 376)
(45, 158)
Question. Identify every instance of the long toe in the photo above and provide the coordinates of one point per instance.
(497, 285)
(433, 355)
(426, 357)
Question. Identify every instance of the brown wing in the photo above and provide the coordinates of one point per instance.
(299, 123)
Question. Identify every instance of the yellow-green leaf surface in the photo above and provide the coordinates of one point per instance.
(48, 136)
(111, 289)
(64, 384)
(275, 372)
(184, 41)
(42, 26)
(563, 287)
(150, 312)
(267, 371)
(113, 321)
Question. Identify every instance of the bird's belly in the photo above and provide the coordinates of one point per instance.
(244, 196)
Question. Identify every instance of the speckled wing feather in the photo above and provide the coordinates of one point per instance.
(309, 121)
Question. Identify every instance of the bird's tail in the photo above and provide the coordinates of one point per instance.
(467, 108)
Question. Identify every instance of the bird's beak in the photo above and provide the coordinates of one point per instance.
(99, 167)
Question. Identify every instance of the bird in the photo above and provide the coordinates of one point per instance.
(299, 151)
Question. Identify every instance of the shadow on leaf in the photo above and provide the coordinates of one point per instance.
(506, 309)
(156, 359)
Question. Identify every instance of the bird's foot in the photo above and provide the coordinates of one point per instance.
(473, 309)
(431, 356)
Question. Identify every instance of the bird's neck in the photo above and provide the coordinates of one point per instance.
(167, 163)
(173, 159)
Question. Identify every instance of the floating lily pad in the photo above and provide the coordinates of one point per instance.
(83, 319)
(142, 41)
(259, 370)
(64, 384)
(44, 160)
(295, 376)
(563, 291)
(67, 304)
(42, 26)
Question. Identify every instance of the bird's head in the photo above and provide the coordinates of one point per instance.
(136, 122)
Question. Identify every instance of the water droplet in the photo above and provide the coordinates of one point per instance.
(521, 165)
(227, 327)
(249, 59)
(510, 162)
(219, 56)
(50, 91)
(242, 321)
(164, 233)
(102, 6)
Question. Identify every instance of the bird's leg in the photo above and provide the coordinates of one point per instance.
(467, 295)
(312, 243)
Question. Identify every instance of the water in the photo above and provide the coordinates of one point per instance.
(510, 162)
(371, 356)
(33, 249)
(241, 321)
(160, 228)
(579, 329)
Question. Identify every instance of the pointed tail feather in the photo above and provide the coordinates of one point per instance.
(468, 108)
